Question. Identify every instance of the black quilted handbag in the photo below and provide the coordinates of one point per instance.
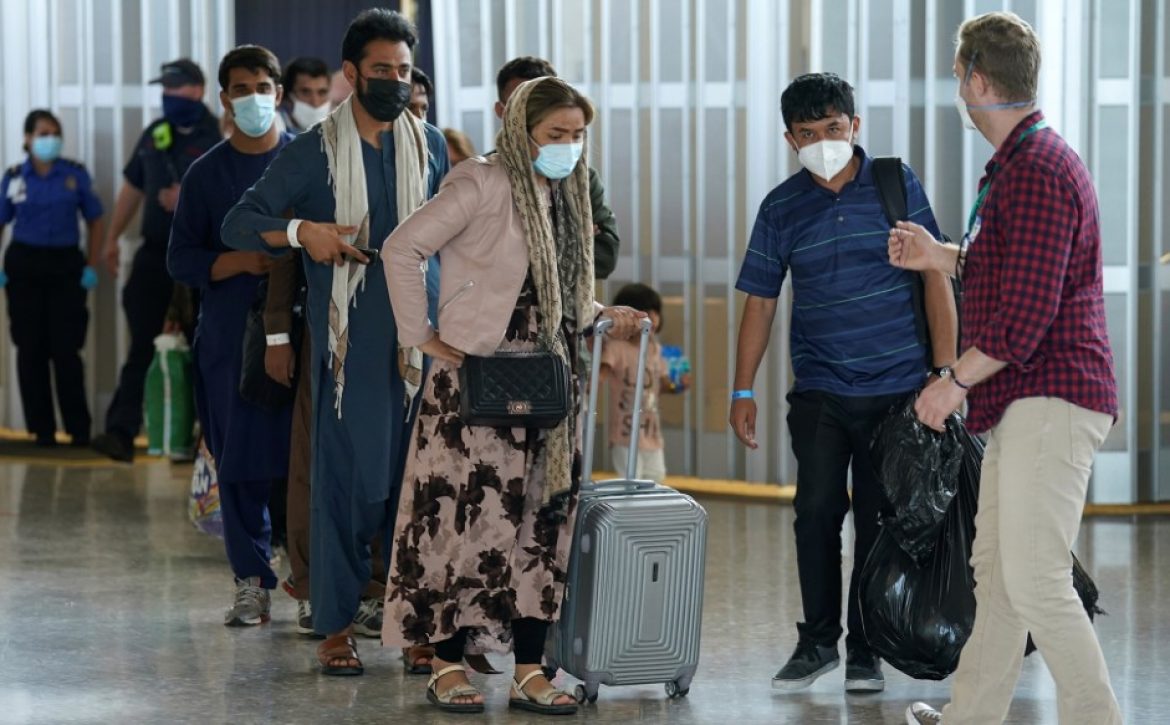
(514, 390)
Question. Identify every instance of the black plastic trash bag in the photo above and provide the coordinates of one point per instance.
(917, 616)
(918, 470)
(1086, 590)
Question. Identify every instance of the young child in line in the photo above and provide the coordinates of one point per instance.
(619, 363)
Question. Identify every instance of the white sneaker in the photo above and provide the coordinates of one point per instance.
(251, 604)
(305, 618)
(922, 714)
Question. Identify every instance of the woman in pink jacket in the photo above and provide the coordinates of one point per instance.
(485, 521)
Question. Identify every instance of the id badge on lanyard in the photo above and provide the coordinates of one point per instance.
(975, 220)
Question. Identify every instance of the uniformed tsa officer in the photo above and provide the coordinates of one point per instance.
(47, 277)
(152, 175)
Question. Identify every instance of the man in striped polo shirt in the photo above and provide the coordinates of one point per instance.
(856, 350)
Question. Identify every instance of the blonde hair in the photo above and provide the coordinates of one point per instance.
(1005, 50)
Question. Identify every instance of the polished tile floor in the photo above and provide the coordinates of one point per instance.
(110, 611)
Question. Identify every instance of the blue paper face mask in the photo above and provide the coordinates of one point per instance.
(557, 160)
(46, 148)
(254, 114)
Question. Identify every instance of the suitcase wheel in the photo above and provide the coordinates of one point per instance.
(673, 691)
(585, 694)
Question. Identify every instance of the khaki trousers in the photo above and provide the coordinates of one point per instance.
(1031, 497)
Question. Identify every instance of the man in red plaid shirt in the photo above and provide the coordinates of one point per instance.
(1037, 374)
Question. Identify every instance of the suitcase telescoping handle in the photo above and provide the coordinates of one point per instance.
(600, 330)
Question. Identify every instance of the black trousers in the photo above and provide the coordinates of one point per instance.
(145, 300)
(528, 634)
(830, 435)
(46, 305)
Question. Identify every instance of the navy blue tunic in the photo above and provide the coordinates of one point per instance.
(248, 442)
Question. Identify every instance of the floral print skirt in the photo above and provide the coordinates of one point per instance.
(473, 545)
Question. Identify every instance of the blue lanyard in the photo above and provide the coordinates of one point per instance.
(982, 197)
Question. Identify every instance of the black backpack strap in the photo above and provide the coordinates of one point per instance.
(889, 176)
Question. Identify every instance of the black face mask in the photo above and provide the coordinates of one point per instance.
(384, 99)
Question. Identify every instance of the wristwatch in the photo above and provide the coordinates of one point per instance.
(946, 371)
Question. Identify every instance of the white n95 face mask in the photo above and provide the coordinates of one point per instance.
(305, 115)
(826, 159)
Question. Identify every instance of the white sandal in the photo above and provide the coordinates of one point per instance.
(542, 703)
(443, 702)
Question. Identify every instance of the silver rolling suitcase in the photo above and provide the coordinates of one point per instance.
(633, 603)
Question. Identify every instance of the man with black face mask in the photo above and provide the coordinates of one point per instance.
(152, 175)
(349, 181)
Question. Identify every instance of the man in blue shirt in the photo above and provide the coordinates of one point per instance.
(360, 427)
(856, 350)
(248, 443)
(49, 278)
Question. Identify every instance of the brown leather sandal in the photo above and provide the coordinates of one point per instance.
(411, 657)
(340, 648)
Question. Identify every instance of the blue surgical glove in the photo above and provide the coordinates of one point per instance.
(89, 278)
(3, 279)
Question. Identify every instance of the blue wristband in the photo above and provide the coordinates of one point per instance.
(743, 395)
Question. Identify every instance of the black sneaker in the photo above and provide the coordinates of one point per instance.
(863, 672)
(115, 447)
(807, 663)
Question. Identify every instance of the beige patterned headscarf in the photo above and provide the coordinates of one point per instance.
(533, 202)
